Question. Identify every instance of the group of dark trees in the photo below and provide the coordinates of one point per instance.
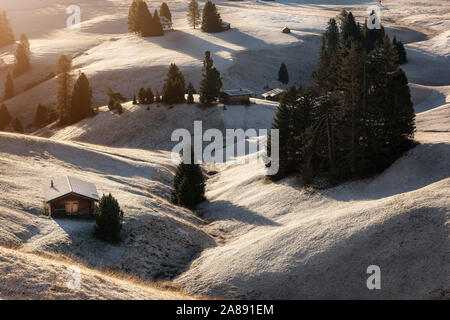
(72, 103)
(6, 119)
(141, 21)
(211, 21)
(115, 100)
(357, 118)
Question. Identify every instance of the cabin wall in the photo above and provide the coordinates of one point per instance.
(85, 206)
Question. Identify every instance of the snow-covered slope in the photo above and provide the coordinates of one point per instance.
(28, 276)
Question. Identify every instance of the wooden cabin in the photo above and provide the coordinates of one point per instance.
(70, 196)
(286, 30)
(166, 24)
(235, 96)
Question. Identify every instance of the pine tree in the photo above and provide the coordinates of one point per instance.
(211, 83)
(401, 52)
(22, 61)
(157, 96)
(211, 21)
(190, 92)
(144, 20)
(5, 117)
(25, 42)
(133, 24)
(372, 37)
(188, 184)
(9, 87)
(63, 88)
(134, 100)
(283, 75)
(149, 96)
(81, 106)
(6, 32)
(41, 116)
(193, 14)
(174, 86)
(157, 29)
(349, 29)
(109, 219)
(164, 11)
(142, 96)
(17, 126)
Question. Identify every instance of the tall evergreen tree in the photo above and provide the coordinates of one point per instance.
(109, 219)
(190, 92)
(350, 30)
(133, 25)
(211, 21)
(142, 96)
(188, 184)
(6, 32)
(174, 86)
(149, 96)
(41, 116)
(21, 61)
(193, 14)
(25, 42)
(157, 29)
(283, 75)
(164, 11)
(9, 87)
(115, 100)
(63, 88)
(144, 20)
(5, 117)
(211, 83)
(157, 96)
(401, 51)
(81, 106)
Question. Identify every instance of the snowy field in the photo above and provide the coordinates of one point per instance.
(255, 239)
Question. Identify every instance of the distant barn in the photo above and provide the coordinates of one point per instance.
(70, 196)
(286, 30)
(235, 96)
(225, 26)
(273, 95)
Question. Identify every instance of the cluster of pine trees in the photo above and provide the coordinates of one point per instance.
(6, 119)
(72, 103)
(357, 118)
(141, 21)
(6, 32)
(211, 21)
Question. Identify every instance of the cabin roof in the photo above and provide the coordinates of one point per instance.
(273, 92)
(165, 21)
(69, 185)
(237, 92)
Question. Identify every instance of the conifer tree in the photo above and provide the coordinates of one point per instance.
(63, 88)
(157, 96)
(25, 42)
(142, 96)
(21, 60)
(115, 100)
(401, 52)
(283, 75)
(349, 29)
(144, 20)
(134, 100)
(133, 25)
(17, 126)
(6, 32)
(5, 117)
(9, 87)
(41, 116)
(190, 91)
(157, 29)
(193, 14)
(164, 11)
(149, 96)
(81, 106)
(174, 86)
(211, 21)
(211, 83)
(109, 219)
(188, 184)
